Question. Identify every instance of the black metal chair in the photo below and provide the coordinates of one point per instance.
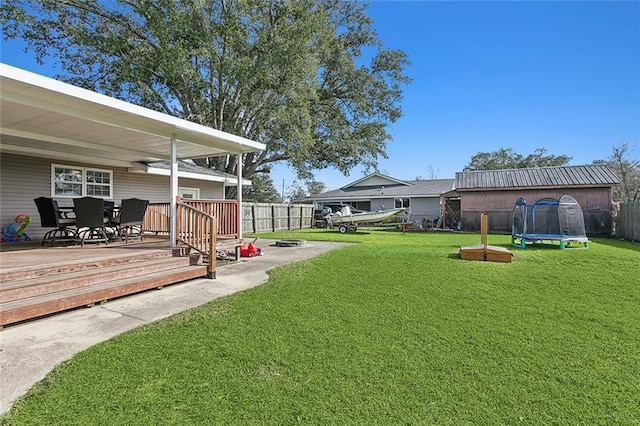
(52, 216)
(128, 220)
(90, 220)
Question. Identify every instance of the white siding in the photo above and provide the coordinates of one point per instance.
(421, 208)
(424, 208)
(21, 180)
(156, 188)
(24, 178)
(382, 204)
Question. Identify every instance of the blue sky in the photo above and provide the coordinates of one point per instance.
(564, 76)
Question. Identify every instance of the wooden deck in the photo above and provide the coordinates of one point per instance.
(37, 281)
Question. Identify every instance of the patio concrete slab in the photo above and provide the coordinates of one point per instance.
(28, 351)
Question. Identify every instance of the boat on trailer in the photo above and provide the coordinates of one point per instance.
(347, 221)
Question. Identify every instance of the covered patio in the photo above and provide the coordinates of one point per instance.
(43, 121)
(46, 118)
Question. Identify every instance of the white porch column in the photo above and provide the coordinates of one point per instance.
(240, 196)
(173, 191)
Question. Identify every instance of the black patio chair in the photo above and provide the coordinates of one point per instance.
(128, 220)
(90, 220)
(52, 216)
(109, 207)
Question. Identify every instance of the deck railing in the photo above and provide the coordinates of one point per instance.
(156, 219)
(199, 224)
(197, 230)
(226, 212)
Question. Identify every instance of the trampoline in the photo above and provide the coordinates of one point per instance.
(548, 220)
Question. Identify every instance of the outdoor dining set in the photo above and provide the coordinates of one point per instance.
(91, 220)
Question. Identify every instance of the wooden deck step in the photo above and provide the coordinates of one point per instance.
(56, 265)
(44, 304)
(30, 287)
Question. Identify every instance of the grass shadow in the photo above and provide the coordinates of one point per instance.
(538, 247)
(325, 231)
(622, 244)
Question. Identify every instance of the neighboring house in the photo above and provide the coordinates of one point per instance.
(495, 192)
(61, 141)
(379, 192)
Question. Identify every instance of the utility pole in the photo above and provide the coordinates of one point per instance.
(283, 190)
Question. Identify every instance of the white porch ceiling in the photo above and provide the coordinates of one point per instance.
(43, 117)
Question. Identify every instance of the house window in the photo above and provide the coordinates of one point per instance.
(402, 202)
(71, 181)
(189, 192)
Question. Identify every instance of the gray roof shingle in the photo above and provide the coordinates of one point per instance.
(417, 188)
(185, 166)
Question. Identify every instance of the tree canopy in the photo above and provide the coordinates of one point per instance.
(261, 190)
(627, 168)
(299, 190)
(315, 187)
(507, 158)
(309, 78)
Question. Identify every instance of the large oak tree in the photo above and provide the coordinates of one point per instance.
(309, 78)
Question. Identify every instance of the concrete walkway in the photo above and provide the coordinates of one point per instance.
(30, 350)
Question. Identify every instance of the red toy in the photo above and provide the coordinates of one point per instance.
(250, 250)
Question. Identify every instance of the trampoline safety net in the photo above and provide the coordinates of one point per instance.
(548, 219)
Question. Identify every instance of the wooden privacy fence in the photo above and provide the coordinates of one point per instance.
(267, 217)
(256, 217)
(628, 221)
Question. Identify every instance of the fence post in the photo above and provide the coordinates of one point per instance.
(633, 213)
(253, 217)
(273, 218)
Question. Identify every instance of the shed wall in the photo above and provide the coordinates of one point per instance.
(498, 205)
(24, 178)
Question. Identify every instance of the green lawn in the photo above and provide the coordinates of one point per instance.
(394, 330)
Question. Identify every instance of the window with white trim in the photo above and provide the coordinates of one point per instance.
(403, 202)
(72, 181)
(189, 192)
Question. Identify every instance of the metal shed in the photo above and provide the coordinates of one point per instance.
(494, 192)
